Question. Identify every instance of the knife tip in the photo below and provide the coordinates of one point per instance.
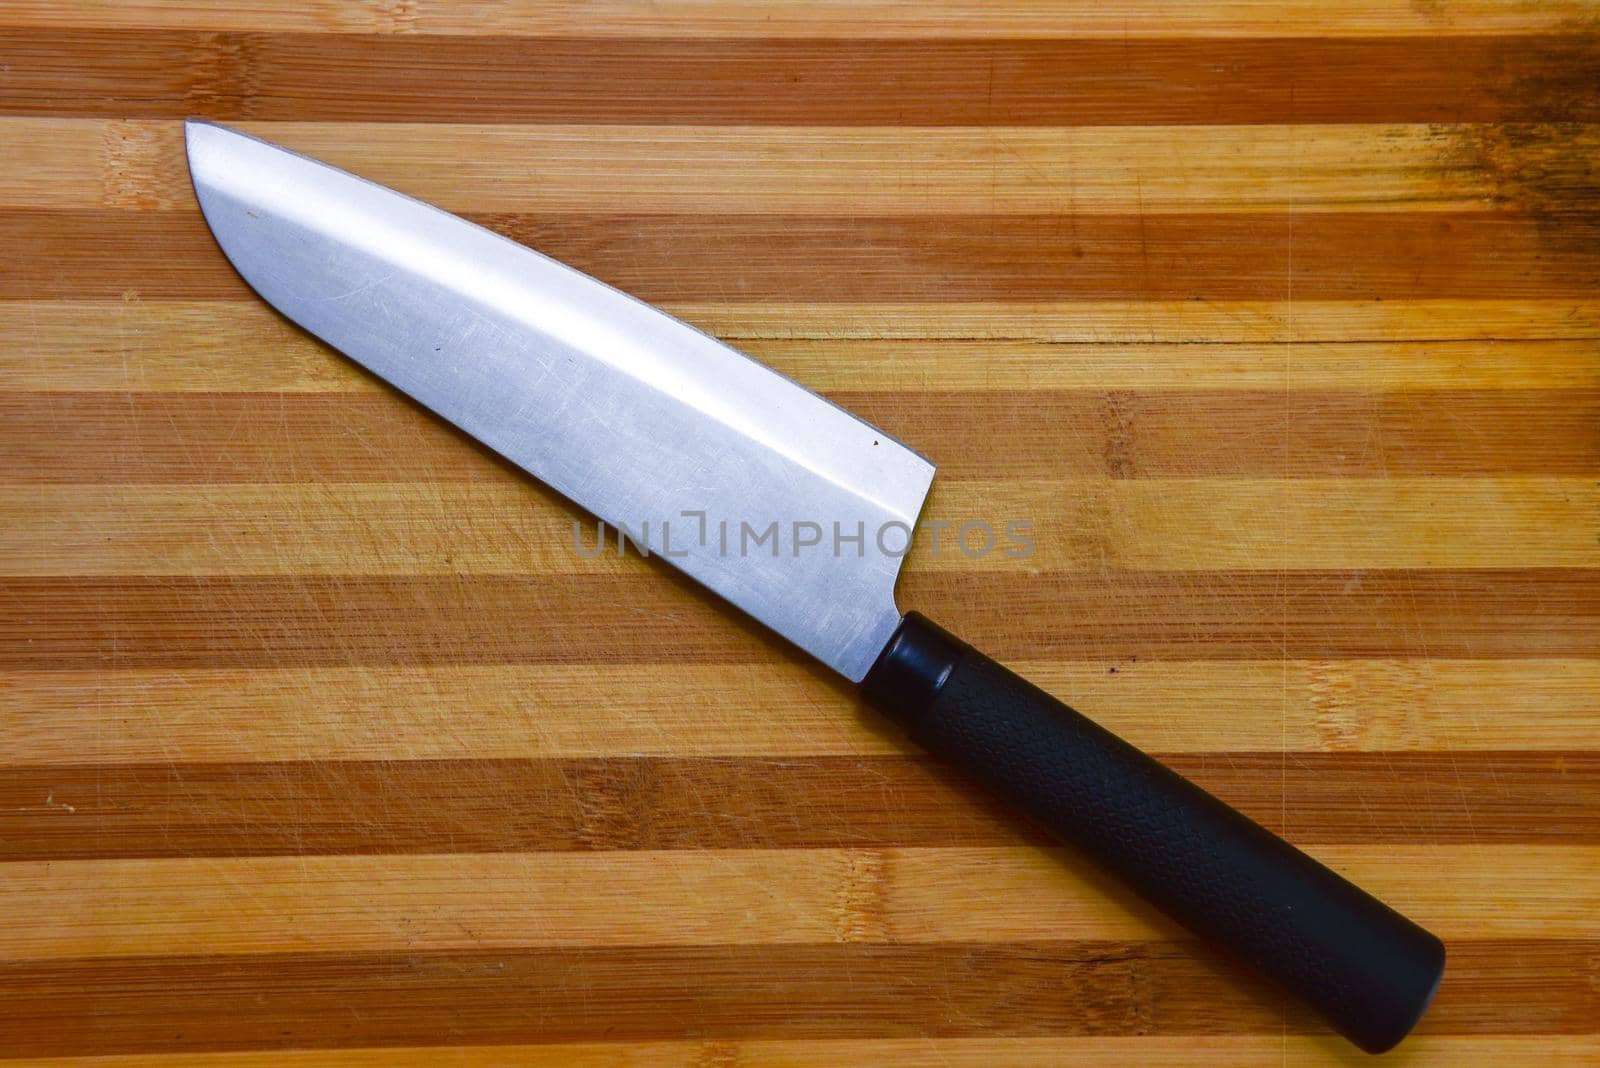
(194, 132)
(202, 130)
(193, 128)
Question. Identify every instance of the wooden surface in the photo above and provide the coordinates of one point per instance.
(1279, 322)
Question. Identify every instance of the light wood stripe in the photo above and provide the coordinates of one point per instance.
(212, 346)
(1154, 320)
(104, 908)
(1127, 19)
(505, 528)
(139, 165)
(344, 904)
(1144, 1051)
(941, 895)
(770, 709)
(138, 333)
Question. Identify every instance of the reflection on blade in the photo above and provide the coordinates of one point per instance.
(748, 482)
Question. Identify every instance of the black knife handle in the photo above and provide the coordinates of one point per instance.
(1370, 971)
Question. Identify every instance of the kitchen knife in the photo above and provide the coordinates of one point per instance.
(661, 430)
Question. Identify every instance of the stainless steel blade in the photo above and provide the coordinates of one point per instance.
(646, 422)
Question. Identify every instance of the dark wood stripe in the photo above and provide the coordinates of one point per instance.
(1039, 434)
(1336, 256)
(381, 436)
(1253, 615)
(339, 807)
(503, 996)
(325, 77)
(304, 621)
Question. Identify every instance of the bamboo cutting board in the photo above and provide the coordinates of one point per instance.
(1277, 322)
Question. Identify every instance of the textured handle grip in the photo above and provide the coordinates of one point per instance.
(1370, 971)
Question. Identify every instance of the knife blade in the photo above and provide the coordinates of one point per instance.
(646, 422)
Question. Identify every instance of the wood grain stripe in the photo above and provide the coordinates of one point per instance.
(340, 621)
(1129, 19)
(66, 909)
(508, 996)
(423, 903)
(1144, 1051)
(1074, 525)
(194, 342)
(770, 710)
(382, 437)
(146, 73)
(1176, 321)
(309, 808)
(83, 164)
(195, 347)
(1179, 256)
